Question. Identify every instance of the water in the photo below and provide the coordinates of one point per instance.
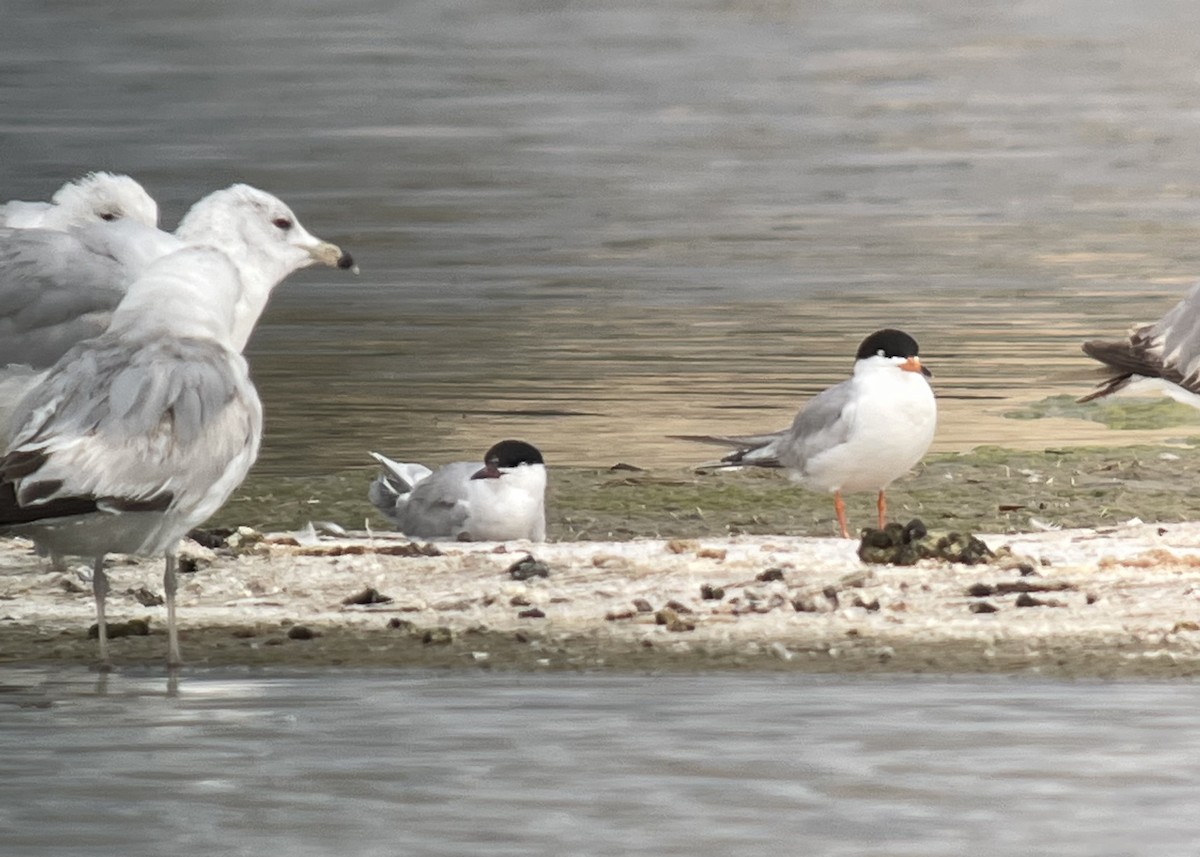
(365, 763)
(592, 225)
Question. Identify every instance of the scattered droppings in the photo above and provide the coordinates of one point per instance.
(213, 538)
(370, 595)
(983, 607)
(909, 544)
(527, 568)
(1008, 587)
(708, 592)
(532, 613)
(1024, 599)
(979, 590)
(870, 606)
(770, 574)
(409, 549)
(145, 597)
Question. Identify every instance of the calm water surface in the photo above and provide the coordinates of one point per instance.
(470, 763)
(595, 224)
(591, 225)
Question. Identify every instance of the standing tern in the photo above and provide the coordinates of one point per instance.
(859, 435)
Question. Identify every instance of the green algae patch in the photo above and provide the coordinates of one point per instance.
(1120, 413)
(990, 489)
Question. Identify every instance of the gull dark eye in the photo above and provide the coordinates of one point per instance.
(282, 223)
(108, 215)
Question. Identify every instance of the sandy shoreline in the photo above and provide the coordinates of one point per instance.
(1123, 601)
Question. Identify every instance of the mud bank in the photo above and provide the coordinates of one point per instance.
(1119, 601)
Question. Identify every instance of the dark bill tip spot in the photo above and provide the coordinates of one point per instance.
(346, 261)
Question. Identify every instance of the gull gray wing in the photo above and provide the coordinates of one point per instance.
(438, 506)
(174, 423)
(60, 288)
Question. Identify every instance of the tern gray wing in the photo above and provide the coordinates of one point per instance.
(824, 422)
(439, 505)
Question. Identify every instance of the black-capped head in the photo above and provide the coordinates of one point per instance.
(510, 453)
(507, 454)
(893, 345)
(888, 343)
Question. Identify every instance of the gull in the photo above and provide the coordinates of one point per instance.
(96, 197)
(504, 499)
(859, 435)
(135, 437)
(1164, 355)
(58, 288)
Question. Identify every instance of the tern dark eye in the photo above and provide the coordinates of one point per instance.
(282, 223)
(108, 215)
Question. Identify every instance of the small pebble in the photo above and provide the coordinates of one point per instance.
(300, 632)
(438, 636)
(370, 595)
(527, 568)
(146, 598)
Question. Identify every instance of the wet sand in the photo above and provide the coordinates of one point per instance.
(1120, 601)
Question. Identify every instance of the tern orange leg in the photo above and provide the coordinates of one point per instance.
(882, 510)
(839, 506)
